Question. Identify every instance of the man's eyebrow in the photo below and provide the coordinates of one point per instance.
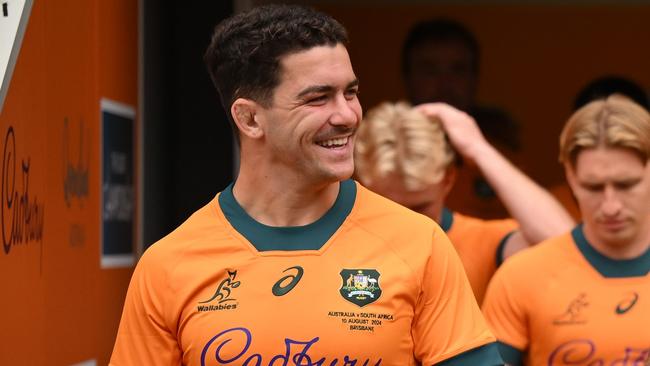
(324, 88)
(352, 84)
(315, 89)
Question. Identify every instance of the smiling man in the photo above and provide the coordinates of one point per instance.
(584, 298)
(294, 263)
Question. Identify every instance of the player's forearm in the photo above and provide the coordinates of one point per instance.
(539, 214)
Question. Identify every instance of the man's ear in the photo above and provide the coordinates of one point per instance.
(570, 176)
(244, 113)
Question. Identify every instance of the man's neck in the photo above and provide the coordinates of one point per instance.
(277, 202)
(633, 249)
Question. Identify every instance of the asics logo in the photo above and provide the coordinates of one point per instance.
(288, 282)
(627, 304)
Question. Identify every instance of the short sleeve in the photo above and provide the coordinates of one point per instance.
(144, 337)
(448, 321)
(504, 310)
(499, 231)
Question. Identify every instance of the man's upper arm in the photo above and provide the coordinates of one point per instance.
(506, 314)
(448, 324)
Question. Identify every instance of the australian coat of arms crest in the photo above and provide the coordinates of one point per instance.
(360, 286)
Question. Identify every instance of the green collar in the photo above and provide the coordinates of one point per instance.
(608, 267)
(446, 219)
(307, 237)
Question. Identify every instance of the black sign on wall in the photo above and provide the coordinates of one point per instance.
(118, 185)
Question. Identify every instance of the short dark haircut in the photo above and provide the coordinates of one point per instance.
(243, 58)
(605, 86)
(439, 30)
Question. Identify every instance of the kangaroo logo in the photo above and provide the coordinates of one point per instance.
(225, 289)
(574, 313)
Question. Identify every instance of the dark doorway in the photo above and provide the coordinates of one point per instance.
(188, 146)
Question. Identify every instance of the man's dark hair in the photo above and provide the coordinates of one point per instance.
(605, 86)
(439, 30)
(243, 58)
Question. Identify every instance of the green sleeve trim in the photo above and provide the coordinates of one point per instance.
(502, 247)
(446, 219)
(510, 354)
(486, 355)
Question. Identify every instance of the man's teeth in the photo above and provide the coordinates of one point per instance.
(333, 142)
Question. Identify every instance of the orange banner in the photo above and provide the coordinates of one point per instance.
(58, 305)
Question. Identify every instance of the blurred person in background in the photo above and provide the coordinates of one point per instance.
(407, 154)
(599, 88)
(583, 298)
(440, 63)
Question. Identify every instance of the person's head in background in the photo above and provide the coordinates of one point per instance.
(605, 147)
(440, 62)
(404, 156)
(605, 86)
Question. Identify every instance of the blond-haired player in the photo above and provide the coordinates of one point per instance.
(403, 153)
(583, 298)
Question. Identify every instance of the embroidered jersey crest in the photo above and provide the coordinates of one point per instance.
(360, 286)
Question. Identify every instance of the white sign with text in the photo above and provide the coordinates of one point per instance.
(14, 15)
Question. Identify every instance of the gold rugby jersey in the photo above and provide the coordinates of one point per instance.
(370, 283)
(563, 303)
(479, 244)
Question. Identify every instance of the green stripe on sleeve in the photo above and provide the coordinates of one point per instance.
(486, 355)
(502, 247)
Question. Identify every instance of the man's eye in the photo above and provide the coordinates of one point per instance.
(593, 187)
(317, 99)
(625, 185)
(351, 94)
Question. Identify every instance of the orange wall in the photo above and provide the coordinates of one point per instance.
(58, 307)
(535, 57)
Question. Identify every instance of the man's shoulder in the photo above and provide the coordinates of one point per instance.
(371, 207)
(546, 256)
(203, 222)
(398, 227)
(476, 223)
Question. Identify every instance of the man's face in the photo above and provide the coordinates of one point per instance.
(441, 72)
(612, 187)
(311, 123)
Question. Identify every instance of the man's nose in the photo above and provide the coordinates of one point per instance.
(346, 113)
(611, 204)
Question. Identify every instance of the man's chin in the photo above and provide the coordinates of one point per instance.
(618, 238)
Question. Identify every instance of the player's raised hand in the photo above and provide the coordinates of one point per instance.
(464, 134)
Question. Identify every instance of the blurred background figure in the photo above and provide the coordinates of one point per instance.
(440, 63)
(599, 88)
(407, 154)
(604, 86)
(583, 296)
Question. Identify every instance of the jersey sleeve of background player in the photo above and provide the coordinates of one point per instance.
(144, 338)
(506, 314)
(500, 232)
(448, 327)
